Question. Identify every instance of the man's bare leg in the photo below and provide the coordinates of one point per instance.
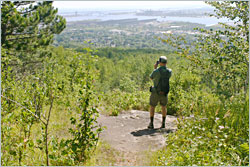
(164, 111)
(164, 114)
(152, 112)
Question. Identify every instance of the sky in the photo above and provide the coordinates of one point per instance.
(128, 4)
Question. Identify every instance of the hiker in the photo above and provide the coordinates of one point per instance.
(159, 92)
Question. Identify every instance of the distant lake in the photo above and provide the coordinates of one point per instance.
(104, 16)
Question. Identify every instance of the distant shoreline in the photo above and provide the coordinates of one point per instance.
(198, 16)
(207, 21)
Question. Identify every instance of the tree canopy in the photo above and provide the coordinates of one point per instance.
(28, 27)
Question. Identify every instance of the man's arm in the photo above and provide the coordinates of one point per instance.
(153, 73)
(155, 66)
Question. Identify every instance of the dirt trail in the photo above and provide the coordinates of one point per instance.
(128, 134)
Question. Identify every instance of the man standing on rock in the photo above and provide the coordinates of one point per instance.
(159, 92)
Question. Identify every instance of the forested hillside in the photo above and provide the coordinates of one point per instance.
(58, 77)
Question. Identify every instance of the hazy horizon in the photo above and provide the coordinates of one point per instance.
(128, 5)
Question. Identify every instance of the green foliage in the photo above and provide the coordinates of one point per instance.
(50, 109)
(217, 130)
(116, 101)
(127, 69)
(105, 155)
(124, 79)
(30, 103)
(27, 29)
(85, 132)
(220, 56)
(31, 95)
(210, 138)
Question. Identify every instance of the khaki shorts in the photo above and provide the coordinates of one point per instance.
(155, 98)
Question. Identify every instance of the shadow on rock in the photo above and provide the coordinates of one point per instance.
(151, 132)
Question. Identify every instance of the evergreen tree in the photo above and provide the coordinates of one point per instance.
(28, 27)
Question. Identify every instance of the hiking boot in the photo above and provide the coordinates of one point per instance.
(162, 126)
(151, 125)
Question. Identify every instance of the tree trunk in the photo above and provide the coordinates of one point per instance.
(46, 132)
(46, 140)
(246, 83)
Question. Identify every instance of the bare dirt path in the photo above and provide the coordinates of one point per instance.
(128, 134)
